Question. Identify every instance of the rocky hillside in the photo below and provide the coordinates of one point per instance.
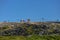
(39, 28)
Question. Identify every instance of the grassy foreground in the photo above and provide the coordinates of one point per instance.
(34, 37)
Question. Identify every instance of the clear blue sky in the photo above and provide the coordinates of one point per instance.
(15, 10)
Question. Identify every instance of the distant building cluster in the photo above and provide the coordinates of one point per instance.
(23, 21)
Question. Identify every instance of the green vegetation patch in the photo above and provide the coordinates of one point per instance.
(33, 37)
